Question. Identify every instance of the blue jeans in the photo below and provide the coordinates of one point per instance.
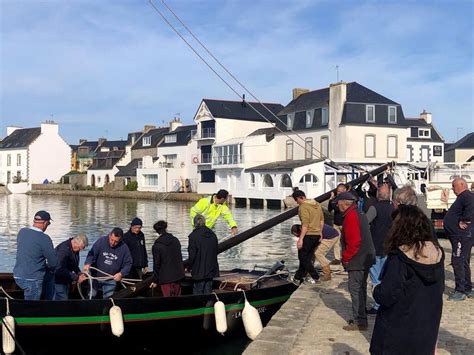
(62, 292)
(48, 286)
(108, 288)
(202, 287)
(31, 288)
(375, 272)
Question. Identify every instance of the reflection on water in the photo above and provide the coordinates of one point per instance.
(97, 216)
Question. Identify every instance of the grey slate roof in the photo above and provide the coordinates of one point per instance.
(242, 110)
(106, 160)
(466, 142)
(284, 165)
(156, 134)
(20, 138)
(120, 145)
(128, 170)
(183, 136)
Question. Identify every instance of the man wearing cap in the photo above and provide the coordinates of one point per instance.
(135, 240)
(112, 257)
(211, 208)
(35, 259)
(358, 255)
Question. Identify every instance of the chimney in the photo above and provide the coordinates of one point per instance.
(82, 141)
(11, 129)
(175, 123)
(148, 127)
(101, 141)
(49, 127)
(426, 116)
(299, 91)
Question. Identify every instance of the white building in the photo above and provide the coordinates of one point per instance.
(33, 156)
(462, 150)
(107, 157)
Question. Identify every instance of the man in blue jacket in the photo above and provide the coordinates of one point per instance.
(68, 270)
(35, 259)
(110, 255)
(458, 228)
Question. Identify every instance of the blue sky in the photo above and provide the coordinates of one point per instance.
(105, 68)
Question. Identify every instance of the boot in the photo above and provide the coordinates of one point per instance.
(326, 273)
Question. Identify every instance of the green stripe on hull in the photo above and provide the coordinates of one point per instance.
(32, 321)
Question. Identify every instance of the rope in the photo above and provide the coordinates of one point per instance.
(6, 294)
(247, 280)
(7, 327)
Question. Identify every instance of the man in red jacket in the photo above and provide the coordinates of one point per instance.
(358, 255)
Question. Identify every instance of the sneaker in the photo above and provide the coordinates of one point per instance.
(457, 296)
(335, 262)
(352, 326)
(471, 294)
(294, 280)
(372, 311)
(310, 281)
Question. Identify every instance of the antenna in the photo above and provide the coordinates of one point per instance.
(337, 73)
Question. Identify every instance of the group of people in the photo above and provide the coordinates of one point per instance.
(393, 241)
(45, 272)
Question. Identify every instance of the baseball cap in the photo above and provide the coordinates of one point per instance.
(42, 216)
(346, 195)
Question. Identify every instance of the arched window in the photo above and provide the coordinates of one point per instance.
(267, 181)
(286, 181)
(252, 180)
(309, 178)
(92, 180)
(107, 179)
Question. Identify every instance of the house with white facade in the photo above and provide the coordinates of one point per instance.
(105, 161)
(33, 156)
(461, 151)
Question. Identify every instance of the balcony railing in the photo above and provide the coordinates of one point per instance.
(206, 158)
(204, 133)
(228, 159)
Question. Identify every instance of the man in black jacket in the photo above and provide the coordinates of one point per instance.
(135, 240)
(68, 270)
(202, 249)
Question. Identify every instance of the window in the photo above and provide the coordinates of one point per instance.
(392, 114)
(369, 113)
(309, 118)
(424, 154)
(324, 146)
(151, 180)
(267, 181)
(309, 178)
(424, 133)
(285, 181)
(308, 150)
(392, 146)
(290, 119)
(9, 160)
(437, 151)
(324, 116)
(18, 160)
(370, 146)
(252, 180)
(146, 141)
(289, 150)
(170, 139)
(409, 153)
(228, 154)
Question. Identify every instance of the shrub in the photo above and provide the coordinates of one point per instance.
(131, 186)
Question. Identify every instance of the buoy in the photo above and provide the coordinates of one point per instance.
(252, 322)
(221, 317)
(7, 338)
(116, 320)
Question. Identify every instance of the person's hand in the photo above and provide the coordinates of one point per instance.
(81, 278)
(234, 230)
(299, 243)
(332, 196)
(118, 276)
(153, 285)
(86, 268)
(463, 225)
(145, 270)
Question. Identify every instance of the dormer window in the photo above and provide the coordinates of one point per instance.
(147, 141)
(424, 133)
(324, 116)
(392, 114)
(170, 139)
(290, 120)
(370, 113)
(309, 118)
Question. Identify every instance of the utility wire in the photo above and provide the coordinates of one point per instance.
(223, 80)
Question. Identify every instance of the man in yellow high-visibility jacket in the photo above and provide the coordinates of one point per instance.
(211, 208)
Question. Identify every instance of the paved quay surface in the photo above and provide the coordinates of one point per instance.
(311, 322)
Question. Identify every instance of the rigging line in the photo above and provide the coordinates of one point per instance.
(230, 74)
(219, 76)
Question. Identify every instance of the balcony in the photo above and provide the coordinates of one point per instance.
(234, 159)
(205, 133)
(206, 158)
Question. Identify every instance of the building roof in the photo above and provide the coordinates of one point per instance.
(120, 145)
(20, 138)
(130, 169)
(466, 142)
(106, 160)
(285, 165)
(183, 136)
(156, 135)
(243, 110)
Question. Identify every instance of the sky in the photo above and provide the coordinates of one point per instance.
(105, 68)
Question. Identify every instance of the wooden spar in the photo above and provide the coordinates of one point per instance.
(272, 222)
(252, 232)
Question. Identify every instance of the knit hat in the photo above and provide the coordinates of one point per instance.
(136, 222)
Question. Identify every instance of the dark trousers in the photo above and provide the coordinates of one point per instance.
(305, 256)
(135, 273)
(171, 289)
(358, 291)
(202, 287)
(460, 259)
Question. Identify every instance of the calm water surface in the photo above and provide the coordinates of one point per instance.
(97, 216)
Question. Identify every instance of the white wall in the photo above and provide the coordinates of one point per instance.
(227, 128)
(13, 168)
(417, 152)
(100, 176)
(299, 144)
(462, 155)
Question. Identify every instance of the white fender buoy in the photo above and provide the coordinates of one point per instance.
(252, 322)
(116, 320)
(7, 339)
(221, 317)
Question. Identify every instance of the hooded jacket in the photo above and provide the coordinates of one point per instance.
(167, 260)
(411, 300)
(211, 211)
(311, 215)
(202, 249)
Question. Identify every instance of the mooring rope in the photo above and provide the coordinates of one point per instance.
(6, 294)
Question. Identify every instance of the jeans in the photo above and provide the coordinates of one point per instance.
(108, 288)
(375, 272)
(305, 256)
(202, 287)
(358, 291)
(460, 260)
(62, 292)
(31, 288)
(48, 286)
